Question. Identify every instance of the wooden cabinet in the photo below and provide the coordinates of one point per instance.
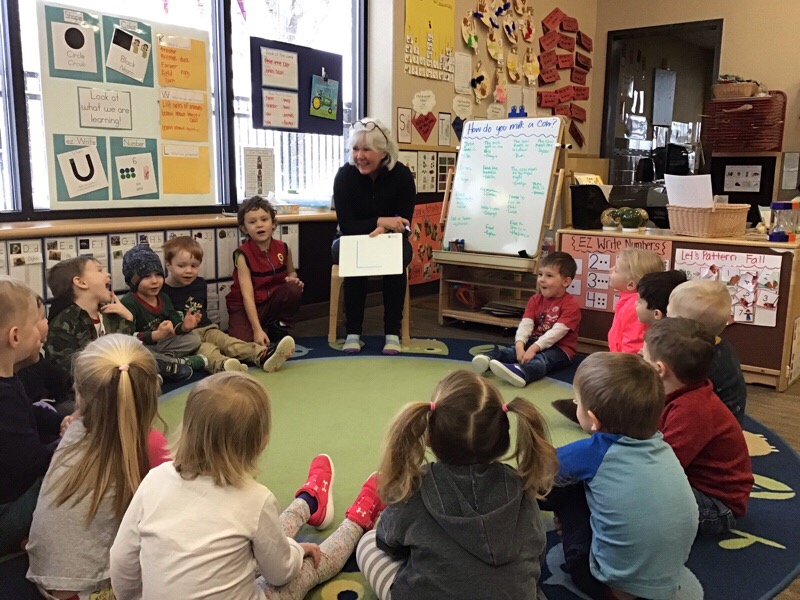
(470, 281)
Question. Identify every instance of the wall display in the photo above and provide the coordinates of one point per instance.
(205, 237)
(595, 255)
(444, 129)
(430, 38)
(425, 238)
(259, 171)
(752, 280)
(409, 159)
(403, 125)
(25, 263)
(3, 258)
(426, 172)
(446, 161)
(295, 88)
(742, 178)
(114, 88)
(119, 244)
(56, 250)
(500, 190)
(227, 242)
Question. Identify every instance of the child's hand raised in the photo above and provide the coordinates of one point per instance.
(164, 330)
(115, 307)
(312, 551)
(192, 319)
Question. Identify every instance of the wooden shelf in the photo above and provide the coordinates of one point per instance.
(498, 284)
(478, 316)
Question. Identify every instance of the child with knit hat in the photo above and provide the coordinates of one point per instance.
(164, 331)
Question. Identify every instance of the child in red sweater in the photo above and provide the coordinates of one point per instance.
(627, 333)
(706, 437)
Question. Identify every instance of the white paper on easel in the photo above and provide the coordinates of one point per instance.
(689, 190)
(361, 255)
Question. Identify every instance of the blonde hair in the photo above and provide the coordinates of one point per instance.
(376, 135)
(226, 427)
(701, 300)
(639, 263)
(182, 243)
(467, 425)
(623, 391)
(15, 299)
(116, 382)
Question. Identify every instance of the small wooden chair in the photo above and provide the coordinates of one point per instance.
(336, 300)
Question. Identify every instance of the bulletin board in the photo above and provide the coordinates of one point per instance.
(127, 111)
(294, 88)
(595, 255)
(425, 238)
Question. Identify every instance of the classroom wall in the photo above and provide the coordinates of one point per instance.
(404, 86)
(759, 41)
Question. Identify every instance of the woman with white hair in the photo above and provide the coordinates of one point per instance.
(373, 194)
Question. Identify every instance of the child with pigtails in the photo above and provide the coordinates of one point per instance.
(466, 525)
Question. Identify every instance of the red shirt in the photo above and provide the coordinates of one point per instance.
(267, 270)
(627, 332)
(546, 312)
(709, 443)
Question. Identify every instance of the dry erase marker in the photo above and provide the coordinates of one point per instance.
(406, 227)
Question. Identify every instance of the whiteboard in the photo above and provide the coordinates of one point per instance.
(501, 184)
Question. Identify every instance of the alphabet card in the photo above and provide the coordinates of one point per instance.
(25, 263)
(120, 243)
(129, 54)
(82, 171)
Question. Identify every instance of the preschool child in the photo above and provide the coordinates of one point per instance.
(84, 308)
(266, 291)
(547, 336)
(704, 435)
(653, 293)
(28, 433)
(183, 256)
(165, 332)
(466, 525)
(627, 333)
(105, 452)
(709, 303)
(200, 526)
(628, 518)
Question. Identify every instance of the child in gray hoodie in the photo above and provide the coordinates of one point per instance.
(466, 526)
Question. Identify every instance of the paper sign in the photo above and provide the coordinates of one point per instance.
(278, 69)
(259, 171)
(136, 175)
(426, 172)
(569, 24)
(566, 42)
(129, 54)
(184, 115)
(104, 109)
(82, 171)
(553, 19)
(74, 48)
(548, 41)
(549, 76)
(565, 94)
(583, 61)
(403, 125)
(742, 178)
(689, 190)
(578, 76)
(280, 110)
(547, 99)
(495, 111)
(565, 61)
(423, 101)
(463, 73)
(444, 129)
(585, 42)
(179, 66)
(186, 169)
(581, 92)
(462, 106)
(361, 255)
(548, 60)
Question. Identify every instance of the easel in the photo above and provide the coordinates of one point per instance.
(495, 272)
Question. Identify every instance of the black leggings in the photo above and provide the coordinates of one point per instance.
(394, 295)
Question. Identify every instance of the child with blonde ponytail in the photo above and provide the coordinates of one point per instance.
(467, 525)
(105, 453)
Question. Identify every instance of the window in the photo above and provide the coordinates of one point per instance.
(195, 14)
(6, 196)
(302, 161)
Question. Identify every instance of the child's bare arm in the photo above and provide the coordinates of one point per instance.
(292, 274)
(249, 300)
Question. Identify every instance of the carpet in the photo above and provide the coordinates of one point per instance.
(324, 401)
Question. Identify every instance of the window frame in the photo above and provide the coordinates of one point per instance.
(19, 165)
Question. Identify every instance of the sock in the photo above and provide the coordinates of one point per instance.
(310, 500)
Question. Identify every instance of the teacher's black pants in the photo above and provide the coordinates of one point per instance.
(394, 295)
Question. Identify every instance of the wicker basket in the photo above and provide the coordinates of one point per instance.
(723, 220)
(734, 90)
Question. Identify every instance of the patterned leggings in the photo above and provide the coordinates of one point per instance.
(378, 568)
(335, 551)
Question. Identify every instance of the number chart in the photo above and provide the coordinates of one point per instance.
(595, 255)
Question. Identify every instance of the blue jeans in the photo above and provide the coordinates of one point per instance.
(544, 362)
(715, 517)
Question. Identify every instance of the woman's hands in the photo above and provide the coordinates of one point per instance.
(391, 225)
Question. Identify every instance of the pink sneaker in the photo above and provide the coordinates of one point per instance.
(320, 487)
(368, 506)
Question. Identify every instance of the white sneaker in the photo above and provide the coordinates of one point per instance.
(480, 364)
(232, 364)
(277, 354)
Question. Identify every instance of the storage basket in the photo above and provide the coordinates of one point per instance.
(744, 89)
(722, 220)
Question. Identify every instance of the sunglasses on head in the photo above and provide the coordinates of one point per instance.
(369, 126)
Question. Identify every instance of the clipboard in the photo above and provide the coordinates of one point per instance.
(362, 256)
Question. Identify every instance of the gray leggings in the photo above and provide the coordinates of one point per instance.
(378, 568)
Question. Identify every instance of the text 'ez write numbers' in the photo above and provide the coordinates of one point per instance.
(598, 281)
(599, 262)
(595, 300)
